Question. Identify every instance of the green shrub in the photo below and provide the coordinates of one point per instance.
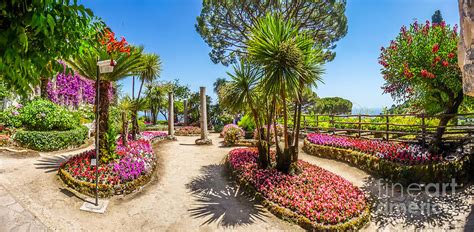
(233, 134)
(9, 117)
(44, 115)
(162, 122)
(247, 123)
(51, 140)
(218, 128)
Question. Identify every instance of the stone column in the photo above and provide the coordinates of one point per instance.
(185, 112)
(466, 45)
(170, 115)
(203, 119)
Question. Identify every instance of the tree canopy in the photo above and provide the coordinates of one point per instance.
(35, 34)
(333, 105)
(225, 24)
(437, 17)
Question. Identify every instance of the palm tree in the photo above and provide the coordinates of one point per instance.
(287, 57)
(240, 93)
(86, 65)
(150, 71)
(218, 84)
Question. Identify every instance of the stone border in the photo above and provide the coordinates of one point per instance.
(442, 172)
(288, 215)
(105, 191)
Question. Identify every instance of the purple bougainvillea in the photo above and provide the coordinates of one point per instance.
(72, 90)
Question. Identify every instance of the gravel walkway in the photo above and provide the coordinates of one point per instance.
(190, 193)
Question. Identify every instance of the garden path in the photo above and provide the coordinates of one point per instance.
(189, 193)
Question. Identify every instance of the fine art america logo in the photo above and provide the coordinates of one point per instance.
(418, 201)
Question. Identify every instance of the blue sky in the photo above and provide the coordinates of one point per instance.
(167, 27)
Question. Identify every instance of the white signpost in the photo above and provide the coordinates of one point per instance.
(104, 66)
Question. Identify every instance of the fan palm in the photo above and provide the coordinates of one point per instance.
(151, 68)
(284, 54)
(86, 66)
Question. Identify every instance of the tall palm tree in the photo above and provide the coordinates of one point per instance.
(86, 65)
(241, 92)
(151, 69)
(284, 54)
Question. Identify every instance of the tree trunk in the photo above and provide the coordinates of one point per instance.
(134, 120)
(135, 129)
(153, 116)
(262, 152)
(443, 122)
(284, 158)
(44, 88)
(104, 103)
(124, 128)
(296, 137)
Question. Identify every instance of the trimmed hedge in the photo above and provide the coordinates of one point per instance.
(288, 215)
(442, 172)
(51, 140)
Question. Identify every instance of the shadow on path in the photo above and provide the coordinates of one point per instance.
(50, 164)
(470, 220)
(219, 200)
(421, 209)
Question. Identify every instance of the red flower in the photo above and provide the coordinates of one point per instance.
(451, 55)
(435, 48)
(445, 63)
(424, 73)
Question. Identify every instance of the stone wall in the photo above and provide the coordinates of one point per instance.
(466, 45)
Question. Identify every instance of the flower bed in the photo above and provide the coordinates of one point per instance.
(316, 199)
(188, 131)
(396, 152)
(133, 168)
(398, 162)
(154, 135)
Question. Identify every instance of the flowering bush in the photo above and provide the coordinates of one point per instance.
(232, 134)
(420, 67)
(397, 152)
(73, 90)
(188, 131)
(317, 194)
(227, 127)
